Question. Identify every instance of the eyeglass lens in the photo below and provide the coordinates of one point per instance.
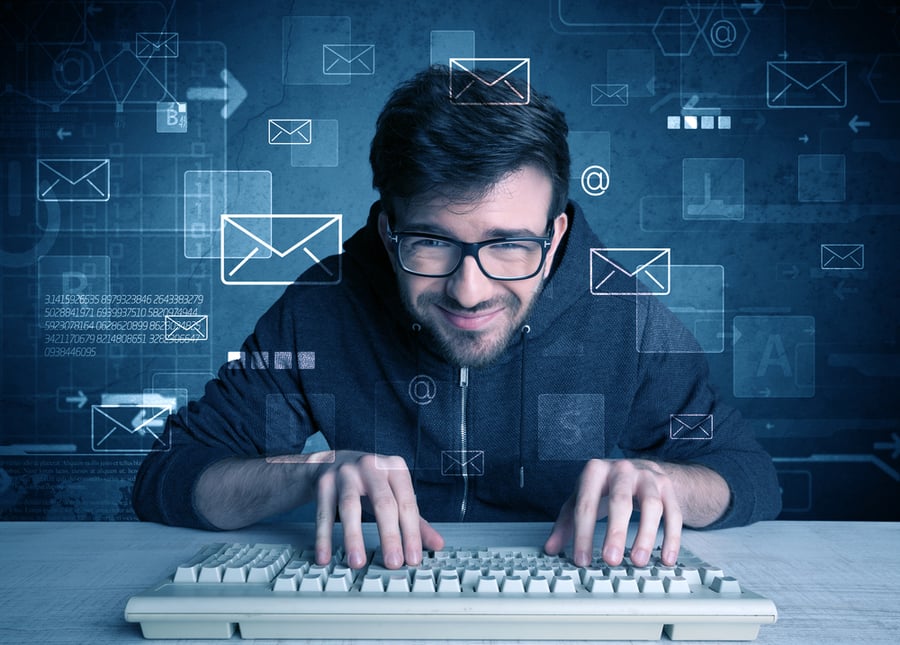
(507, 259)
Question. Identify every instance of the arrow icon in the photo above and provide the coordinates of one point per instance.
(62, 134)
(756, 6)
(884, 445)
(840, 290)
(855, 124)
(233, 93)
(804, 138)
(81, 399)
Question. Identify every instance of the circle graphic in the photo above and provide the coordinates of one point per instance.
(422, 389)
(595, 180)
(73, 71)
(723, 34)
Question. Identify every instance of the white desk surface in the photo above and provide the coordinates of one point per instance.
(68, 582)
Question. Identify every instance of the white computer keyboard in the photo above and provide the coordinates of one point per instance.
(516, 593)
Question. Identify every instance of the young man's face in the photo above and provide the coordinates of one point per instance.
(473, 317)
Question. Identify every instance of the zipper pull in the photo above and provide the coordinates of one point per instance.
(464, 376)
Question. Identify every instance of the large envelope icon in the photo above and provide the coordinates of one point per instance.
(806, 84)
(184, 327)
(456, 463)
(276, 249)
(290, 132)
(630, 272)
(843, 256)
(348, 60)
(123, 427)
(156, 44)
(512, 76)
(609, 94)
(73, 180)
(691, 426)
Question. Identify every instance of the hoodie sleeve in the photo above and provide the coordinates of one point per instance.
(677, 417)
(231, 419)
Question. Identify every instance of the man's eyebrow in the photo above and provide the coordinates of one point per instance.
(490, 234)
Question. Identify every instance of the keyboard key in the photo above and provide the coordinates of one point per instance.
(372, 584)
(487, 584)
(600, 585)
(448, 582)
(397, 583)
(676, 585)
(513, 585)
(423, 582)
(562, 584)
(537, 584)
(651, 584)
(310, 582)
(691, 574)
(708, 573)
(337, 582)
(286, 582)
(725, 584)
(625, 585)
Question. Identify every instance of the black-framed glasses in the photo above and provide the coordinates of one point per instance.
(502, 258)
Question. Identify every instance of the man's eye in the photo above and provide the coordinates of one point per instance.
(429, 243)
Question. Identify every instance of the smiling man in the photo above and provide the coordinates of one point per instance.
(463, 369)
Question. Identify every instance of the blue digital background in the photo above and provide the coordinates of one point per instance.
(758, 141)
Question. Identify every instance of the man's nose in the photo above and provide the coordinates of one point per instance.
(468, 285)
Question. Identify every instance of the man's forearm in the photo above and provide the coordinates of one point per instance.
(236, 492)
(703, 494)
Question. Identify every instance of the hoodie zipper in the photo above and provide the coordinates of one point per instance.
(463, 440)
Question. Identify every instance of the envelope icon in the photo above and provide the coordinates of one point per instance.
(276, 249)
(806, 84)
(630, 272)
(456, 463)
(609, 94)
(843, 256)
(511, 77)
(125, 427)
(348, 60)
(290, 132)
(690, 426)
(73, 180)
(183, 327)
(156, 44)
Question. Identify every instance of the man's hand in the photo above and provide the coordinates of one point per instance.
(610, 488)
(384, 486)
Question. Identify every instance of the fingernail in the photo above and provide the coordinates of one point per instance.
(582, 558)
(356, 560)
(393, 559)
(670, 557)
(640, 556)
(612, 555)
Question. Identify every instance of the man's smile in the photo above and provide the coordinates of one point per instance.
(470, 320)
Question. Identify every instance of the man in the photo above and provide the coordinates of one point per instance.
(463, 370)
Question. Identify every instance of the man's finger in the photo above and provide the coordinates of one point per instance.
(326, 507)
(621, 493)
(350, 507)
(408, 515)
(592, 487)
(673, 522)
(651, 506)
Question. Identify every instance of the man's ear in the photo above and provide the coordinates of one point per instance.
(560, 226)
